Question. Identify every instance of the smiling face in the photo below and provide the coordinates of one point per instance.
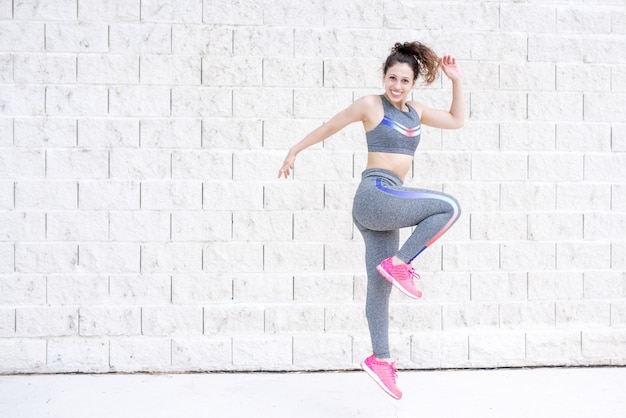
(398, 82)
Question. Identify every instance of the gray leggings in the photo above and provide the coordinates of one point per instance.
(381, 207)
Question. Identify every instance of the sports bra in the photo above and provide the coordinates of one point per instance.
(398, 132)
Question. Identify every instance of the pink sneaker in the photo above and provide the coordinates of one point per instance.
(384, 374)
(401, 276)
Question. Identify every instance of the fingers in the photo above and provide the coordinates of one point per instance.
(447, 60)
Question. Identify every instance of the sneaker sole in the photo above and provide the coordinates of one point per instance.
(379, 382)
(397, 285)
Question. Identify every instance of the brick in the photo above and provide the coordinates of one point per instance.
(342, 73)
(242, 71)
(49, 133)
(605, 167)
(583, 20)
(340, 42)
(77, 164)
(526, 136)
(337, 226)
(475, 256)
(323, 166)
(115, 257)
(232, 133)
(499, 226)
(498, 106)
(110, 321)
(618, 201)
(77, 226)
(583, 314)
(261, 226)
(605, 285)
(618, 137)
(531, 18)
(345, 256)
(140, 101)
(22, 100)
(201, 226)
(109, 195)
(323, 288)
(45, 10)
(171, 320)
(174, 257)
(75, 289)
(408, 317)
(322, 352)
(7, 189)
(603, 49)
(600, 107)
(46, 321)
(555, 167)
(562, 347)
(171, 133)
(135, 354)
(527, 196)
(302, 14)
(107, 69)
(528, 255)
(443, 286)
(551, 48)
(233, 319)
(618, 314)
(111, 11)
(22, 164)
(7, 258)
(483, 136)
(278, 257)
(46, 257)
(141, 289)
(282, 133)
(22, 355)
(247, 12)
(498, 286)
(561, 106)
(497, 346)
(257, 103)
(583, 196)
(443, 166)
(583, 255)
(265, 41)
(604, 343)
(140, 226)
(475, 196)
(45, 69)
(527, 76)
(170, 70)
(279, 72)
(583, 77)
(270, 288)
(219, 256)
(22, 36)
(293, 196)
(199, 101)
(171, 195)
(233, 195)
(499, 47)
(277, 355)
(171, 11)
(200, 39)
(22, 226)
(339, 196)
(587, 137)
(555, 285)
(112, 133)
(7, 132)
(6, 10)
(252, 165)
(345, 318)
(435, 350)
(294, 319)
(22, 290)
(618, 255)
(78, 355)
(71, 37)
(7, 322)
(145, 38)
(527, 315)
(198, 288)
(140, 164)
(205, 354)
(555, 226)
(605, 226)
(77, 101)
(466, 315)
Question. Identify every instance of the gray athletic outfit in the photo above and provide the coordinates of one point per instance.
(382, 206)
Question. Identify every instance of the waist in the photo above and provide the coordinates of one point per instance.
(399, 164)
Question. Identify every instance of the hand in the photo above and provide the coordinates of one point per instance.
(449, 67)
(285, 170)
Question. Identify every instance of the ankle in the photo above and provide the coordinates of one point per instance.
(396, 261)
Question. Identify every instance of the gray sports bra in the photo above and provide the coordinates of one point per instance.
(398, 132)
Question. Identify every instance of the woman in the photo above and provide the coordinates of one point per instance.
(381, 204)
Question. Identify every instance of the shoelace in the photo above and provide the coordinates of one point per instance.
(413, 275)
(389, 370)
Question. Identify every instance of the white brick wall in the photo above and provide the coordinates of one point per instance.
(142, 227)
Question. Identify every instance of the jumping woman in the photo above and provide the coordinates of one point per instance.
(382, 205)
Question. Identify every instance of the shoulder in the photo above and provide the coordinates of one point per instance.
(369, 101)
(419, 107)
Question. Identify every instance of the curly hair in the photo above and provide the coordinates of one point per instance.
(421, 58)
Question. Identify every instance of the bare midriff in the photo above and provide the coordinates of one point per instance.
(400, 164)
